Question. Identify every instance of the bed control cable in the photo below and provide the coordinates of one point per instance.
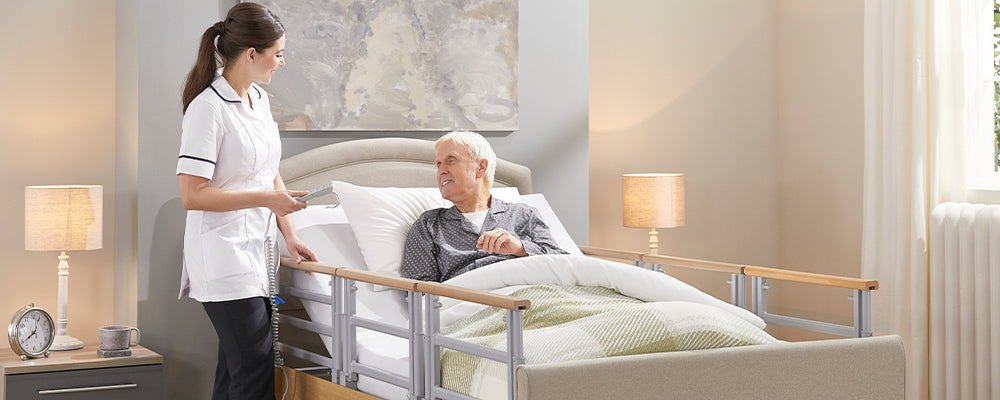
(272, 279)
(270, 249)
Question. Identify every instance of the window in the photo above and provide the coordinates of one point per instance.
(983, 149)
(996, 86)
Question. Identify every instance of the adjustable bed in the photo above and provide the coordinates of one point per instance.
(382, 336)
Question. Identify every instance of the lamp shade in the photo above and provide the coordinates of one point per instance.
(653, 200)
(63, 218)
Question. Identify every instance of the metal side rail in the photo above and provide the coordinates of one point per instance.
(758, 297)
(423, 333)
(862, 313)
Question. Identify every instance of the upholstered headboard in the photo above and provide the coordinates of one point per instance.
(382, 162)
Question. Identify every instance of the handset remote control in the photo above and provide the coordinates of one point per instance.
(320, 191)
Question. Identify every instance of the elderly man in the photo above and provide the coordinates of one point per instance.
(479, 229)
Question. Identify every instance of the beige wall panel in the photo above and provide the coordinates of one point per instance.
(58, 122)
(688, 87)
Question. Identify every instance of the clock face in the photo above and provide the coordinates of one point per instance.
(34, 332)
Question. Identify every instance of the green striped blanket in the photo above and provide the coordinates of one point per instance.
(583, 322)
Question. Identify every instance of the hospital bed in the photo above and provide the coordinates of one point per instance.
(347, 307)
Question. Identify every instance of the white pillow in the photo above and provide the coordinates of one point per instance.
(556, 228)
(326, 231)
(381, 218)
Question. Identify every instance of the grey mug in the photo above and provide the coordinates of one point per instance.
(117, 337)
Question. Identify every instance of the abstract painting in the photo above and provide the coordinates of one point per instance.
(396, 65)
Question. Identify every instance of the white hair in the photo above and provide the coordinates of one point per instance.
(478, 148)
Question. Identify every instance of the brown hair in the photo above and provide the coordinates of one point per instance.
(246, 25)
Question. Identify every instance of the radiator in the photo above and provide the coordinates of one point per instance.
(964, 317)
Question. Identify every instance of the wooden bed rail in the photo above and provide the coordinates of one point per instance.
(440, 289)
(693, 264)
(514, 303)
(714, 266)
(611, 253)
(811, 278)
(475, 296)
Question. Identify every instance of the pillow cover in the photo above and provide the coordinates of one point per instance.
(326, 230)
(556, 228)
(381, 218)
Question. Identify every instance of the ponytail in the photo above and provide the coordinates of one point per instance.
(203, 72)
(246, 25)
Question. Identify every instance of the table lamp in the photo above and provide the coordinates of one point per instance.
(63, 218)
(653, 201)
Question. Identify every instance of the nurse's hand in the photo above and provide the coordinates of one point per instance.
(298, 249)
(282, 203)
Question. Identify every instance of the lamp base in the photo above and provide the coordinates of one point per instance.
(66, 342)
(654, 242)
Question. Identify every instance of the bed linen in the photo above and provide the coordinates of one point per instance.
(569, 323)
(582, 308)
(328, 231)
(585, 308)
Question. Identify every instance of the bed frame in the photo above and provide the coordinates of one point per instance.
(860, 367)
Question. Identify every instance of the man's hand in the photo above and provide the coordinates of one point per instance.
(500, 241)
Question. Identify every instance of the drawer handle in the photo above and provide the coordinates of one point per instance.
(88, 389)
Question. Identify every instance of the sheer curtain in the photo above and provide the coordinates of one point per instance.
(923, 98)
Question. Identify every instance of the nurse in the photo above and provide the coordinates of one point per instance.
(229, 183)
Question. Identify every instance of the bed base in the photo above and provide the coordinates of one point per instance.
(425, 340)
(865, 368)
(869, 368)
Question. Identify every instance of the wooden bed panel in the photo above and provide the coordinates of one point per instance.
(308, 387)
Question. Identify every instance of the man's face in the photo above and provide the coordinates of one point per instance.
(458, 176)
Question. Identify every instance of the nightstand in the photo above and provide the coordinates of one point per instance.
(82, 375)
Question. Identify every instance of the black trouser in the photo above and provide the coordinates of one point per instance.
(246, 357)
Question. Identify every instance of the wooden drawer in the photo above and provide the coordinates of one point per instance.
(142, 382)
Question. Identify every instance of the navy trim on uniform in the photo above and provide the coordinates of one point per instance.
(197, 158)
(259, 94)
(223, 98)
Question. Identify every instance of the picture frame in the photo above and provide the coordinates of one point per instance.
(404, 65)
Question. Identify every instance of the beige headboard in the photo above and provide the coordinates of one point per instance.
(382, 162)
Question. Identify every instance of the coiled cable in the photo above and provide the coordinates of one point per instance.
(272, 281)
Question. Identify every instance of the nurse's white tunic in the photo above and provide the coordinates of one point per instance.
(236, 148)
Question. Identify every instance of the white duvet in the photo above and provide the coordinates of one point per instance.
(570, 270)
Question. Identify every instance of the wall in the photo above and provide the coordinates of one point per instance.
(820, 152)
(552, 141)
(126, 160)
(177, 329)
(764, 115)
(688, 87)
(58, 121)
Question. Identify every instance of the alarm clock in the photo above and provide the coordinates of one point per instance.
(31, 332)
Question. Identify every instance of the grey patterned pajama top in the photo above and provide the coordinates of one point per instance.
(442, 242)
